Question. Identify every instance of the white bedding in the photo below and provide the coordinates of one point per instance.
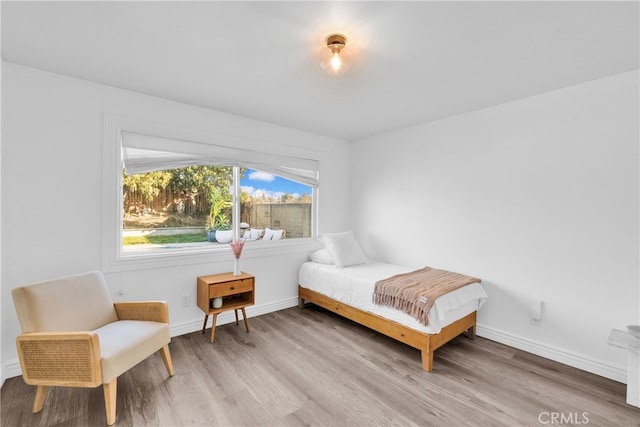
(354, 286)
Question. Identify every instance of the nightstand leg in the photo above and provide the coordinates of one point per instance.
(213, 327)
(246, 322)
(236, 312)
(204, 325)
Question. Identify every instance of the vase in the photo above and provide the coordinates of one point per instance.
(236, 267)
(217, 302)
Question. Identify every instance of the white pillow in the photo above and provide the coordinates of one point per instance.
(268, 234)
(256, 233)
(344, 249)
(321, 256)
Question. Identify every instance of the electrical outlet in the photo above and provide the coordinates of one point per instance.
(185, 301)
(535, 312)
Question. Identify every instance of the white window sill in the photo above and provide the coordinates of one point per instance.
(199, 253)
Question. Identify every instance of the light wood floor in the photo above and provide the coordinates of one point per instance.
(310, 367)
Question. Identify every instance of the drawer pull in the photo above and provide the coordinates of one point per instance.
(233, 287)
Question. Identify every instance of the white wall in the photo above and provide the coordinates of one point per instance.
(52, 151)
(538, 197)
(1, 298)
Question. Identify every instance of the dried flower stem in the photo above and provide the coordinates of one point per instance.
(236, 247)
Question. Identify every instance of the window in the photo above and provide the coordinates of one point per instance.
(186, 207)
(166, 189)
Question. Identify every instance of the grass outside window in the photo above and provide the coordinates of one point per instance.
(161, 240)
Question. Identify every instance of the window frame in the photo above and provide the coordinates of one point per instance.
(114, 259)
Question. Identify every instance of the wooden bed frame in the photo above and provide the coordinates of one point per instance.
(426, 343)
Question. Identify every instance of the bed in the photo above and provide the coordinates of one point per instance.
(347, 290)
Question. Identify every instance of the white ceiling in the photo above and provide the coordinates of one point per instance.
(412, 61)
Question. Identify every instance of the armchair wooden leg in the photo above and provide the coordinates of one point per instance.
(41, 395)
(166, 357)
(110, 400)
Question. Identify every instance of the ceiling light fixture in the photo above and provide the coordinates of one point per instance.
(336, 60)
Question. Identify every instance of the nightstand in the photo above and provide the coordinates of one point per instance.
(237, 292)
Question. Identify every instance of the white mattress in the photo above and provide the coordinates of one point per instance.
(354, 286)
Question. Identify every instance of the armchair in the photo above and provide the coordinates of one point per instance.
(74, 335)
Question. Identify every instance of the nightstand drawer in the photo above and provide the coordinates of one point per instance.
(230, 288)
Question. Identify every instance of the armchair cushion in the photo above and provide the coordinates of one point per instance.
(125, 343)
(74, 303)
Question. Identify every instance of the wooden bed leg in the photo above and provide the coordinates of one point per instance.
(471, 333)
(427, 360)
(300, 302)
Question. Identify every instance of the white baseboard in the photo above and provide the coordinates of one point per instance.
(616, 373)
(597, 367)
(12, 369)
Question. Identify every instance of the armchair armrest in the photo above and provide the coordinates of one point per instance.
(155, 311)
(60, 358)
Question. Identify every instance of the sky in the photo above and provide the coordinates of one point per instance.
(257, 183)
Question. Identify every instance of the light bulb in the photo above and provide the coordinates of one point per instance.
(336, 63)
(335, 60)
